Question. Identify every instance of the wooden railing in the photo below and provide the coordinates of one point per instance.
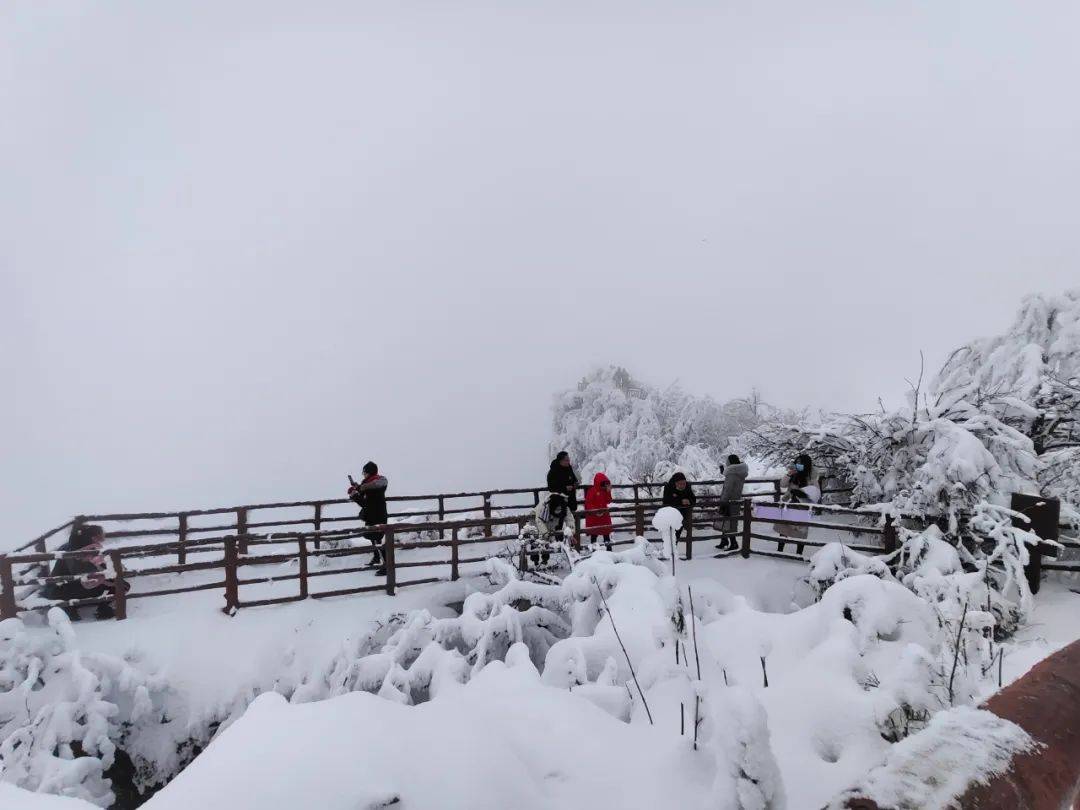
(183, 524)
(23, 575)
(252, 542)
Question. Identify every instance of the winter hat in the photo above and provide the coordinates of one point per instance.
(83, 536)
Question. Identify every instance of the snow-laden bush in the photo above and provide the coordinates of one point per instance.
(635, 432)
(959, 748)
(65, 713)
(835, 562)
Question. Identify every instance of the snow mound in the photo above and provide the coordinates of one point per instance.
(502, 740)
(929, 770)
(13, 798)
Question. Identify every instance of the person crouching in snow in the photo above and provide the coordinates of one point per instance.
(597, 517)
(370, 496)
(94, 578)
(679, 493)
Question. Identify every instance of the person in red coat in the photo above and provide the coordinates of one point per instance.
(598, 524)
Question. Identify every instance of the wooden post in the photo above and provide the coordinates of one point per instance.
(689, 524)
(536, 497)
(41, 548)
(232, 596)
(7, 589)
(453, 555)
(747, 519)
(442, 516)
(388, 563)
(487, 509)
(577, 530)
(181, 552)
(303, 568)
(318, 523)
(639, 518)
(888, 535)
(776, 490)
(119, 587)
(241, 530)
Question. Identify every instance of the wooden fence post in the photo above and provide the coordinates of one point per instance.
(639, 518)
(577, 530)
(119, 587)
(536, 497)
(487, 509)
(318, 523)
(453, 555)
(181, 551)
(888, 535)
(7, 589)
(776, 490)
(303, 568)
(747, 520)
(689, 523)
(232, 596)
(442, 517)
(388, 563)
(241, 529)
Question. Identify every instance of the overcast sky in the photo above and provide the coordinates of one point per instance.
(246, 246)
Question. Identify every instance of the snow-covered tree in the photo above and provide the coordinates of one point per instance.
(1001, 416)
(1029, 379)
(636, 432)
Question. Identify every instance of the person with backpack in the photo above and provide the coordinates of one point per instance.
(90, 573)
(735, 475)
(562, 482)
(679, 494)
(370, 496)
(597, 517)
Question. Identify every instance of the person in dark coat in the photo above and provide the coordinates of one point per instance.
(679, 493)
(735, 475)
(91, 571)
(562, 481)
(370, 496)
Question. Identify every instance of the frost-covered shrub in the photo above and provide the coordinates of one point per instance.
(835, 562)
(65, 713)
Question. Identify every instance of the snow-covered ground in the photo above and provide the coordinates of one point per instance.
(512, 736)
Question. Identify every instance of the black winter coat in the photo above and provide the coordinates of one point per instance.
(72, 589)
(672, 496)
(370, 496)
(559, 478)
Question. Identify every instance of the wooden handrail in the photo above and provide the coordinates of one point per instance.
(238, 537)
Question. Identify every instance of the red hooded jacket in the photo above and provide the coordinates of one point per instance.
(596, 497)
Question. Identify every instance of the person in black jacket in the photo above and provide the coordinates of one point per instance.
(370, 496)
(90, 569)
(679, 494)
(561, 480)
